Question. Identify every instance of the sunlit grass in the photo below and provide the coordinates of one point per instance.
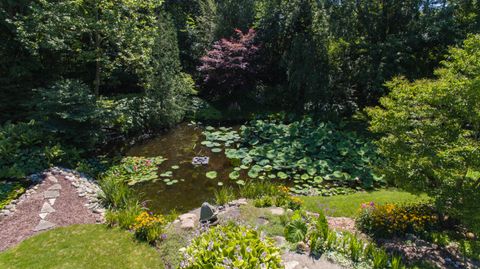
(348, 205)
(81, 246)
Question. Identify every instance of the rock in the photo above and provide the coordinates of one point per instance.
(51, 194)
(52, 201)
(99, 210)
(238, 202)
(47, 208)
(5, 212)
(280, 240)
(187, 216)
(187, 224)
(262, 221)
(291, 264)
(10, 207)
(302, 247)
(55, 187)
(277, 211)
(470, 236)
(52, 179)
(43, 215)
(44, 225)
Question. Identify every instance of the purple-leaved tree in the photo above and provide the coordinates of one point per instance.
(228, 69)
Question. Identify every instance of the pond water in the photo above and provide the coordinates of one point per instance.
(179, 146)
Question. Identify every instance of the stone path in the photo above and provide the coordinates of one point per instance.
(60, 198)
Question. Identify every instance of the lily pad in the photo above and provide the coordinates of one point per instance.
(211, 174)
(240, 182)
(175, 167)
(216, 150)
(234, 175)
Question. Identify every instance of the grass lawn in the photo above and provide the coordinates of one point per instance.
(348, 205)
(81, 246)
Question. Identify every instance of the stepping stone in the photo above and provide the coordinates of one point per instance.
(52, 179)
(52, 201)
(55, 187)
(277, 211)
(43, 215)
(51, 194)
(44, 225)
(47, 208)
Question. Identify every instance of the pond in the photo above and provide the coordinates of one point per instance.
(179, 146)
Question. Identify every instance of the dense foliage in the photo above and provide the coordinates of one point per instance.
(231, 245)
(318, 157)
(397, 220)
(313, 234)
(430, 132)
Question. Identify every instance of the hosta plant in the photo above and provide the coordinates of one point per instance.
(231, 246)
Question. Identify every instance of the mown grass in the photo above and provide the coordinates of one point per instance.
(81, 246)
(348, 205)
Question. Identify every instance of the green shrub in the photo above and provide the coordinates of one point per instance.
(429, 133)
(67, 109)
(9, 192)
(124, 217)
(396, 220)
(25, 149)
(115, 193)
(232, 246)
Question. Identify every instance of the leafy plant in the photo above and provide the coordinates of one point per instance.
(224, 195)
(296, 230)
(231, 245)
(379, 259)
(9, 192)
(123, 217)
(115, 194)
(25, 149)
(148, 227)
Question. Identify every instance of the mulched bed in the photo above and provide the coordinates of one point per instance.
(69, 208)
